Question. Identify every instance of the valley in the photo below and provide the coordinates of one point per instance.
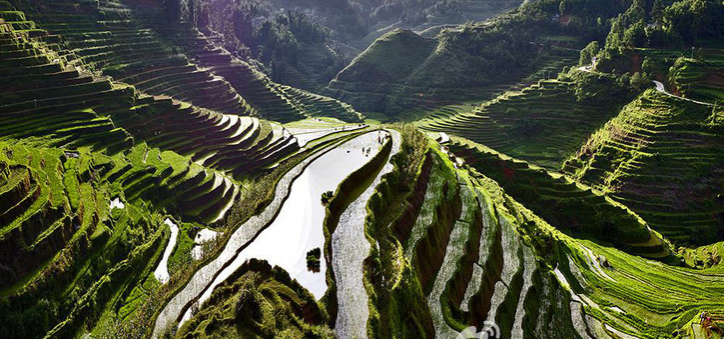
(361, 169)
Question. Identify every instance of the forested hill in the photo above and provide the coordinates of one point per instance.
(477, 57)
(305, 43)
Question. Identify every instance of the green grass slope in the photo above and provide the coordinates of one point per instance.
(564, 203)
(544, 123)
(660, 156)
(258, 301)
(70, 144)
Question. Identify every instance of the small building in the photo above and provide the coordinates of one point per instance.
(71, 154)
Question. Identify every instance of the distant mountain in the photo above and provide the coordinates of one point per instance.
(501, 51)
(305, 43)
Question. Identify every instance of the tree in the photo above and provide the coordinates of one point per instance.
(637, 12)
(695, 19)
(203, 19)
(193, 10)
(615, 36)
(657, 12)
(635, 36)
(639, 81)
(243, 28)
(588, 53)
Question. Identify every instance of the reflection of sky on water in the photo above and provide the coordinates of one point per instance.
(297, 228)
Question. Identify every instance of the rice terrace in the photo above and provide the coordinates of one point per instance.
(362, 169)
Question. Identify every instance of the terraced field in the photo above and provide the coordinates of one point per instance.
(271, 100)
(489, 271)
(460, 239)
(543, 123)
(660, 157)
(555, 197)
(103, 36)
(153, 185)
(48, 86)
(643, 157)
(90, 168)
(140, 50)
(701, 78)
(265, 96)
(229, 143)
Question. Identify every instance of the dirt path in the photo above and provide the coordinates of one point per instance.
(660, 87)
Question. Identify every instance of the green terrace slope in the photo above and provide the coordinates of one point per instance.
(377, 80)
(562, 202)
(661, 157)
(449, 257)
(141, 48)
(36, 92)
(693, 74)
(229, 143)
(134, 151)
(269, 99)
(626, 296)
(403, 71)
(373, 83)
(255, 87)
(62, 244)
(103, 36)
(504, 263)
(36, 86)
(259, 301)
(321, 106)
(544, 123)
(458, 252)
(701, 78)
(89, 170)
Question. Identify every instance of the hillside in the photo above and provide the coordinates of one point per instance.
(306, 43)
(76, 143)
(474, 58)
(543, 123)
(551, 172)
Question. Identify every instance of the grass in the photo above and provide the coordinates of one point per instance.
(258, 299)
